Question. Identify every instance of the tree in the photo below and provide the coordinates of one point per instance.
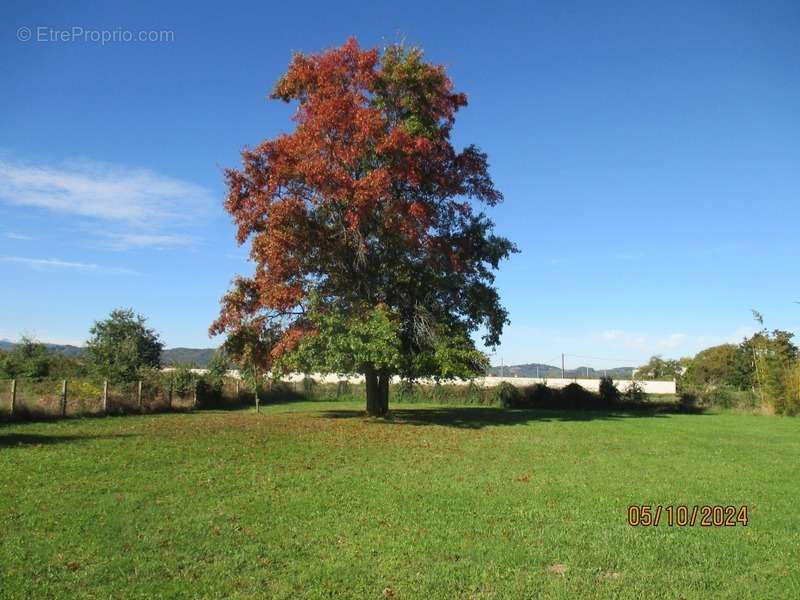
(218, 368)
(363, 224)
(660, 369)
(121, 345)
(720, 366)
(28, 359)
(773, 357)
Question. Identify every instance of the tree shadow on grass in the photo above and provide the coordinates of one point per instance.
(14, 440)
(478, 417)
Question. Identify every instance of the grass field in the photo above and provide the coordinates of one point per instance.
(314, 500)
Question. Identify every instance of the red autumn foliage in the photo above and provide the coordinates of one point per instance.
(366, 192)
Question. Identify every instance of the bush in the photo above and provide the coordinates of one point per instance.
(309, 385)
(689, 402)
(182, 380)
(635, 393)
(508, 396)
(609, 393)
(540, 396)
(343, 388)
(576, 396)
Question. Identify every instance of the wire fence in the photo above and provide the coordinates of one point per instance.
(23, 399)
(47, 398)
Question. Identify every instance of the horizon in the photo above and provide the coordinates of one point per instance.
(650, 169)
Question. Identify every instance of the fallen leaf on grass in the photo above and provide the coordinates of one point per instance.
(557, 569)
(265, 562)
(525, 478)
(72, 565)
(388, 592)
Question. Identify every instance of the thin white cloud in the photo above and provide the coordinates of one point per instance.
(142, 208)
(18, 236)
(55, 263)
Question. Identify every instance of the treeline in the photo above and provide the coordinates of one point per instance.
(121, 349)
(763, 370)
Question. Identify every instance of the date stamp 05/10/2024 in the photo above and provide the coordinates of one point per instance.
(681, 515)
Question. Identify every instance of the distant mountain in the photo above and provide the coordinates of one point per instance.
(198, 357)
(552, 372)
(187, 356)
(65, 349)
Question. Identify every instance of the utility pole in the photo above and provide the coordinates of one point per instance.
(562, 366)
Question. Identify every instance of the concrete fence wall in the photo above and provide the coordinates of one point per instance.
(650, 387)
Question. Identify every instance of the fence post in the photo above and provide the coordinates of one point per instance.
(194, 397)
(64, 398)
(255, 391)
(237, 390)
(169, 397)
(13, 395)
(105, 396)
(139, 396)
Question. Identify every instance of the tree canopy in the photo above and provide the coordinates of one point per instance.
(370, 254)
(121, 345)
(658, 368)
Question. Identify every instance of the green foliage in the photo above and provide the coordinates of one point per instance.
(28, 359)
(121, 345)
(31, 360)
(774, 359)
(635, 393)
(608, 391)
(725, 365)
(508, 396)
(539, 395)
(660, 369)
(218, 368)
(347, 341)
(576, 396)
(792, 406)
(182, 380)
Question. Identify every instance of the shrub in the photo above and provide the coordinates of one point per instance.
(218, 368)
(508, 396)
(635, 393)
(540, 396)
(309, 385)
(576, 396)
(689, 402)
(474, 394)
(182, 380)
(343, 388)
(608, 391)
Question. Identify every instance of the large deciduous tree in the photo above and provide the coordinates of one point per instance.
(371, 255)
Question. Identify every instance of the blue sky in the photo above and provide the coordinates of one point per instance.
(649, 154)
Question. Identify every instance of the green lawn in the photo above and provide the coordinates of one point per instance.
(314, 500)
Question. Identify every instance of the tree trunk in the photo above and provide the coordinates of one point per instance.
(383, 392)
(377, 392)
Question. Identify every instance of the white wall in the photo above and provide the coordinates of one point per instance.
(650, 387)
